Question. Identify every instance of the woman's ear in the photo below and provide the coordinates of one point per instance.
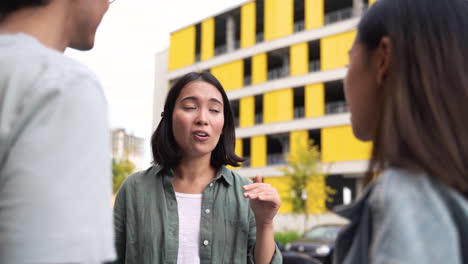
(383, 59)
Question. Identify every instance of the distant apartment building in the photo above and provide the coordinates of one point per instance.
(282, 63)
(126, 146)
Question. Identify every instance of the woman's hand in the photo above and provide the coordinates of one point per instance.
(264, 200)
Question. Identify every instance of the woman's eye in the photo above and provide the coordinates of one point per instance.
(214, 110)
(189, 107)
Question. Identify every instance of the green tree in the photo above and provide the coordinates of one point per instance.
(120, 170)
(308, 190)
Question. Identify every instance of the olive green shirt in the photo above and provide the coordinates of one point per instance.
(147, 223)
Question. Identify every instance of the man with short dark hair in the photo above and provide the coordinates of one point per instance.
(55, 176)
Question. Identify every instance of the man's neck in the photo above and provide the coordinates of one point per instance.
(47, 24)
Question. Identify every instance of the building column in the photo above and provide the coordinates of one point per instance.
(358, 7)
(230, 32)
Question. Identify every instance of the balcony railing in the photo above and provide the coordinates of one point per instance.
(247, 80)
(258, 118)
(278, 73)
(220, 50)
(314, 65)
(246, 163)
(236, 44)
(276, 158)
(339, 15)
(299, 112)
(336, 107)
(299, 26)
(236, 121)
(259, 37)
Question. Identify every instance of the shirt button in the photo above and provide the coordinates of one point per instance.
(206, 242)
(211, 184)
(207, 211)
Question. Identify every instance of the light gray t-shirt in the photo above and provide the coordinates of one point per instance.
(55, 175)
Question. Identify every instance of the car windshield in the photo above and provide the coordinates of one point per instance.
(323, 233)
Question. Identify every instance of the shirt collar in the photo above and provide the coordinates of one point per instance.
(223, 173)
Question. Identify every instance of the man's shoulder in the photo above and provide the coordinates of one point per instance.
(30, 65)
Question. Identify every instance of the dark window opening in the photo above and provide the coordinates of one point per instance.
(237, 28)
(338, 10)
(315, 137)
(246, 152)
(220, 35)
(314, 56)
(197, 41)
(278, 64)
(259, 28)
(235, 111)
(334, 98)
(299, 24)
(247, 71)
(299, 110)
(277, 147)
(345, 187)
(258, 109)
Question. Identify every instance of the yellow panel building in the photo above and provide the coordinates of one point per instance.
(282, 63)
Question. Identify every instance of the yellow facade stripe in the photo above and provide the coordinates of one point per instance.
(314, 13)
(258, 151)
(298, 139)
(278, 106)
(314, 100)
(269, 110)
(259, 68)
(299, 59)
(247, 111)
(230, 75)
(248, 25)
(282, 185)
(182, 48)
(316, 199)
(239, 150)
(279, 18)
(334, 50)
(339, 144)
(372, 1)
(207, 39)
(284, 105)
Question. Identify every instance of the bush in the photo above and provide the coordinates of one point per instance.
(286, 237)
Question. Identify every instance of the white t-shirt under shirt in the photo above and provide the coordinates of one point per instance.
(189, 210)
(55, 175)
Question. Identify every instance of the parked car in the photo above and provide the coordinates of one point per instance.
(318, 242)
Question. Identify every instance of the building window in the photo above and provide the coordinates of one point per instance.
(246, 152)
(299, 102)
(247, 71)
(315, 137)
(314, 56)
(278, 64)
(197, 42)
(277, 148)
(235, 111)
(338, 10)
(345, 187)
(335, 102)
(299, 24)
(220, 35)
(260, 17)
(258, 109)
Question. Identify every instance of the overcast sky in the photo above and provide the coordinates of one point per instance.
(131, 33)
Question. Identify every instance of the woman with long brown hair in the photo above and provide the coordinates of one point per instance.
(407, 88)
